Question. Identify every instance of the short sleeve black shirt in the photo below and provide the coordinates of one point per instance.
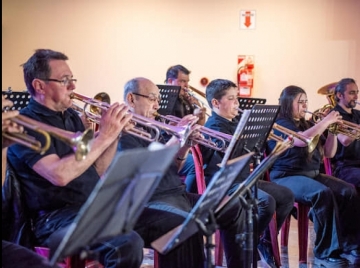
(39, 193)
(294, 160)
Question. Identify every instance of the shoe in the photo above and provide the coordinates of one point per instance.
(266, 254)
(331, 262)
(293, 212)
(353, 257)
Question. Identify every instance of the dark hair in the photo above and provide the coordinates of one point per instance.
(37, 66)
(173, 72)
(131, 86)
(286, 99)
(341, 86)
(217, 88)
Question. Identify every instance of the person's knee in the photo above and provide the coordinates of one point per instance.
(266, 206)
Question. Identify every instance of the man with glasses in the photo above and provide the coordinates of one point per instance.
(347, 158)
(178, 75)
(55, 185)
(170, 203)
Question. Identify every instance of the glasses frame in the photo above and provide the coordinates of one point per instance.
(65, 82)
(158, 99)
(303, 102)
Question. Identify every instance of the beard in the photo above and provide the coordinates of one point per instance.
(350, 104)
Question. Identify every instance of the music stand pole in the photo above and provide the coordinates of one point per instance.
(208, 230)
(245, 187)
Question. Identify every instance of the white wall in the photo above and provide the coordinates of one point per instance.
(309, 43)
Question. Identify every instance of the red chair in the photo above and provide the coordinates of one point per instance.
(274, 233)
(201, 186)
(303, 228)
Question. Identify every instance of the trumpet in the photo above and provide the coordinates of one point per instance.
(80, 142)
(311, 142)
(96, 106)
(346, 128)
(222, 138)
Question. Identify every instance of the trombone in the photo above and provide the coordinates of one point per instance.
(222, 138)
(80, 142)
(190, 91)
(311, 142)
(96, 106)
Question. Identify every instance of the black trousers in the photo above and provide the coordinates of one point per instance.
(169, 212)
(334, 210)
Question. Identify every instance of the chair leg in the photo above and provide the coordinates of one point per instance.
(219, 249)
(274, 241)
(303, 229)
(285, 232)
(156, 259)
(76, 262)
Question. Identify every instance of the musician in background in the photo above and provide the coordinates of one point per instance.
(346, 161)
(170, 204)
(178, 75)
(14, 255)
(221, 95)
(55, 185)
(334, 203)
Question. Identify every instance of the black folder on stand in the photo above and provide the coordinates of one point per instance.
(169, 95)
(117, 200)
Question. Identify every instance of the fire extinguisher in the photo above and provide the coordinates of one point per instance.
(242, 77)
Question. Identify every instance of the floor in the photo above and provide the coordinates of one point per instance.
(289, 255)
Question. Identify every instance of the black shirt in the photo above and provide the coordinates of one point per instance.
(39, 193)
(294, 160)
(182, 107)
(170, 184)
(349, 155)
(211, 158)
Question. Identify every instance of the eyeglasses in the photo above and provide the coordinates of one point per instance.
(302, 102)
(64, 82)
(152, 97)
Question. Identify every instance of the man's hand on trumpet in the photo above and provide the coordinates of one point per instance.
(200, 112)
(114, 120)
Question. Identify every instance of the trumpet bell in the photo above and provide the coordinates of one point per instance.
(312, 143)
(101, 97)
(81, 143)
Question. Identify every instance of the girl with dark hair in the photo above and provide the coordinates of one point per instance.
(332, 201)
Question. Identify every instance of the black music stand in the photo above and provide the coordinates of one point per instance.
(202, 215)
(252, 138)
(20, 99)
(116, 202)
(169, 95)
(248, 103)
